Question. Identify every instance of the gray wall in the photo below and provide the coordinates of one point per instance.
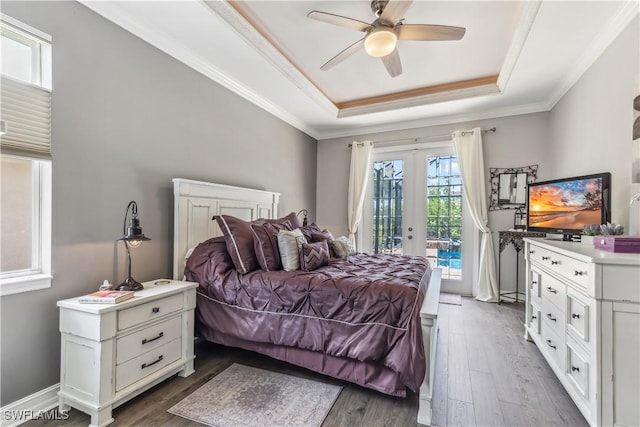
(126, 119)
(518, 141)
(591, 125)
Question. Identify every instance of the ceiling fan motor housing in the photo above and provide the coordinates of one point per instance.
(377, 6)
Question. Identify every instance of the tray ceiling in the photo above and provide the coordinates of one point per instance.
(515, 57)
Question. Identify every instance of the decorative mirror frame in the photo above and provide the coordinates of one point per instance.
(494, 203)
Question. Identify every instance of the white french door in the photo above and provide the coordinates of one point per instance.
(414, 206)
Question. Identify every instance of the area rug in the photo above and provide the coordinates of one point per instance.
(452, 299)
(246, 396)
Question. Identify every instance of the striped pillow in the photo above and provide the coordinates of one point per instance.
(314, 255)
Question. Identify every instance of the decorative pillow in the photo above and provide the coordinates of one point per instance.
(289, 242)
(293, 220)
(308, 229)
(314, 255)
(265, 243)
(238, 237)
(317, 236)
(342, 247)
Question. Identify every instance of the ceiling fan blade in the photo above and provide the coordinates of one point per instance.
(394, 11)
(343, 55)
(429, 32)
(341, 21)
(392, 63)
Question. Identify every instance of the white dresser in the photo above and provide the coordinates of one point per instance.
(583, 313)
(113, 352)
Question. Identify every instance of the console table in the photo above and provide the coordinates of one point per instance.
(515, 239)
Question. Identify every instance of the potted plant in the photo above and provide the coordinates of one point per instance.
(590, 231)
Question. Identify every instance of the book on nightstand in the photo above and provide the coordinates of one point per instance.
(106, 297)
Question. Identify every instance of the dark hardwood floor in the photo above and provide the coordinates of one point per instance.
(486, 375)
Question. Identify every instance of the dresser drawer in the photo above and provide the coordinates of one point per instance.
(535, 286)
(536, 318)
(578, 370)
(147, 363)
(578, 272)
(553, 345)
(553, 291)
(578, 316)
(553, 318)
(135, 344)
(139, 314)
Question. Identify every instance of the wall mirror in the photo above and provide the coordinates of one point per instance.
(509, 186)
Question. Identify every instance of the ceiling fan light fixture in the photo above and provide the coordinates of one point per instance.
(380, 42)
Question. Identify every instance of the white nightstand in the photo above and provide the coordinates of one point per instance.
(113, 352)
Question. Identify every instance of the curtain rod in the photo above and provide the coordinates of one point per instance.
(440, 137)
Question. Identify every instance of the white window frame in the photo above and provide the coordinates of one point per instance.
(39, 276)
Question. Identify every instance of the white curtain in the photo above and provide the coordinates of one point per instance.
(359, 176)
(468, 147)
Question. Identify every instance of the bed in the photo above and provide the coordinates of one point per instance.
(367, 319)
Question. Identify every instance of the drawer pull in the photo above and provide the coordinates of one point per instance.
(146, 365)
(534, 282)
(580, 273)
(550, 289)
(155, 310)
(550, 317)
(534, 317)
(160, 335)
(545, 258)
(551, 345)
(555, 262)
(575, 369)
(532, 252)
(575, 316)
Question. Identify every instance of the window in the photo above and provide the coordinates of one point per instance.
(444, 215)
(25, 160)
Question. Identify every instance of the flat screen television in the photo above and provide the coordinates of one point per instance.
(564, 206)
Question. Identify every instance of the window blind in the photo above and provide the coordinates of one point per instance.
(26, 111)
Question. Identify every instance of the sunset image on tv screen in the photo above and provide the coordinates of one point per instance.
(566, 205)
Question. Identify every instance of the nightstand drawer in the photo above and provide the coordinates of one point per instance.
(133, 345)
(147, 363)
(136, 315)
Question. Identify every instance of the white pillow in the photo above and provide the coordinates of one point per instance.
(343, 247)
(289, 243)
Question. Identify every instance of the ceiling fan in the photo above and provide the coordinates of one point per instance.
(384, 32)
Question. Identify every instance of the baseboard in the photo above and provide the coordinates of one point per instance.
(31, 407)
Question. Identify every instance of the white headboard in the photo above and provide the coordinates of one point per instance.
(196, 202)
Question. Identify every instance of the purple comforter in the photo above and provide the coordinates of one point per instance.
(364, 308)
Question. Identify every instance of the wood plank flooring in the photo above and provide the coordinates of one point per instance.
(486, 375)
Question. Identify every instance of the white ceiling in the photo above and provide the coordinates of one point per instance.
(270, 53)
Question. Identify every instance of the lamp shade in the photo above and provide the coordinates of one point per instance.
(134, 231)
(380, 42)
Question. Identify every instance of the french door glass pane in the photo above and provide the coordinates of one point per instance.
(388, 180)
(444, 215)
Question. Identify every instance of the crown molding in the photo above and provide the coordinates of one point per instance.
(436, 121)
(429, 98)
(116, 15)
(517, 42)
(268, 49)
(608, 34)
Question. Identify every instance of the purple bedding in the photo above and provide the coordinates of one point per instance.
(356, 319)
